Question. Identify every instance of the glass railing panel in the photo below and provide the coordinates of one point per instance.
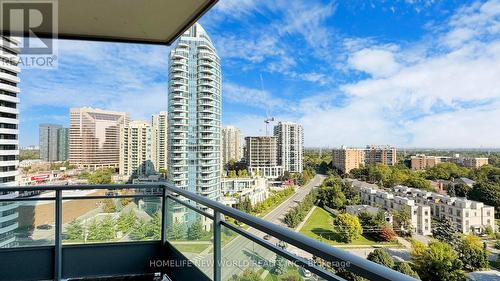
(244, 259)
(191, 233)
(26, 223)
(105, 220)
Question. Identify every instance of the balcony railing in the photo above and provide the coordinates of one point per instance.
(220, 250)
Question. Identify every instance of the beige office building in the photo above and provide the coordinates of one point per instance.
(345, 159)
(94, 137)
(380, 154)
(136, 150)
(159, 140)
(261, 155)
(231, 144)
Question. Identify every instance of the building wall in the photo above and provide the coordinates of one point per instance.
(9, 137)
(63, 144)
(261, 154)
(194, 115)
(422, 161)
(94, 137)
(136, 149)
(385, 155)
(159, 143)
(466, 214)
(420, 215)
(231, 144)
(290, 138)
(48, 141)
(346, 159)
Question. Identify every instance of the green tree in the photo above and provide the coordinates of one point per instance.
(438, 261)
(195, 230)
(473, 253)
(347, 227)
(402, 222)
(103, 230)
(380, 256)
(247, 275)
(446, 231)
(405, 268)
(74, 230)
(331, 195)
(488, 192)
(125, 222)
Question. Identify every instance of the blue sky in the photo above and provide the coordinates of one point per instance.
(407, 73)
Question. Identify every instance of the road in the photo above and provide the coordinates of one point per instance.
(241, 253)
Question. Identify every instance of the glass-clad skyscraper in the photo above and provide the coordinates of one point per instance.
(194, 114)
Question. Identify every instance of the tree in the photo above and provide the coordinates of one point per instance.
(405, 268)
(402, 222)
(387, 233)
(103, 230)
(488, 230)
(195, 230)
(347, 227)
(280, 264)
(74, 230)
(461, 189)
(247, 275)
(330, 193)
(380, 256)
(438, 261)
(417, 181)
(488, 192)
(177, 231)
(473, 253)
(446, 231)
(125, 222)
(243, 173)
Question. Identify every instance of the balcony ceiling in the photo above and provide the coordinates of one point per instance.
(146, 21)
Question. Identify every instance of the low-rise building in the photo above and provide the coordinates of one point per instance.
(468, 215)
(236, 189)
(422, 161)
(420, 217)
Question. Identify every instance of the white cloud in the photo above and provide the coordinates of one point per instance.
(376, 62)
(251, 97)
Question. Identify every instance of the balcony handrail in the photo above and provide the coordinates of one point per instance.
(358, 265)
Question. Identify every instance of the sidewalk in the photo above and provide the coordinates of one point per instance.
(299, 227)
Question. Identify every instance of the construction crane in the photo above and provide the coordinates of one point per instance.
(268, 119)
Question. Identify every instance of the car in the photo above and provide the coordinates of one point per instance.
(267, 237)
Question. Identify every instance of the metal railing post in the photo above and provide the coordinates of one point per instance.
(58, 242)
(217, 246)
(164, 206)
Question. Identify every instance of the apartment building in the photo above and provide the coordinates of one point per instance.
(420, 214)
(468, 215)
(290, 138)
(422, 161)
(345, 159)
(231, 144)
(261, 156)
(380, 154)
(194, 115)
(94, 137)
(236, 189)
(48, 140)
(63, 144)
(159, 140)
(474, 162)
(53, 142)
(136, 155)
(9, 137)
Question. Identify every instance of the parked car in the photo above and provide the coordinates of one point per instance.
(267, 237)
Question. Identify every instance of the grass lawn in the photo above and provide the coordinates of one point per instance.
(319, 227)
